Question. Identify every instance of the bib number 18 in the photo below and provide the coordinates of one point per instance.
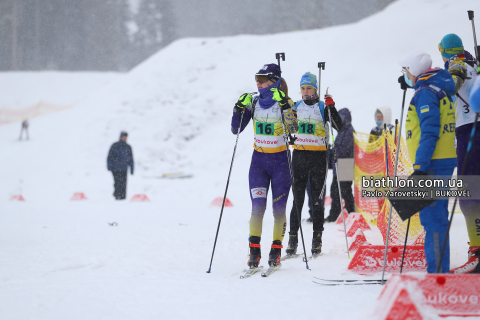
(306, 128)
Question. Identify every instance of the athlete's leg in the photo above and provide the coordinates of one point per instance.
(470, 208)
(259, 181)
(281, 183)
(347, 195)
(318, 170)
(434, 219)
(300, 174)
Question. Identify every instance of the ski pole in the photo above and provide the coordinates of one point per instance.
(405, 245)
(334, 153)
(226, 189)
(338, 183)
(282, 56)
(465, 161)
(394, 175)
(470, 17)
(321, 66)
(408, 224)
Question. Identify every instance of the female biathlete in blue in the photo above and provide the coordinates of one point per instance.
(310, 159)
(269, 160)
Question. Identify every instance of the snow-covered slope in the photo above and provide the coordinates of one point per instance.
(62, 260)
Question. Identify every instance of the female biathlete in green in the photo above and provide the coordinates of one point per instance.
(310, 159)
(269, 160)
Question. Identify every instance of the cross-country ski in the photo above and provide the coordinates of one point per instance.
(250, 272)
(271, 270)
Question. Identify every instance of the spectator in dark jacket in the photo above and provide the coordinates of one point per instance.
(119, 158)
(345, 149)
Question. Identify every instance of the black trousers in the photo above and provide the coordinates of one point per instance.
(120, 184)
(347, 196)
(315, 164)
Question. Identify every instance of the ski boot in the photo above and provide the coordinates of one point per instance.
(473, 263)
(292, 244)
(331, 218)
(316, 243)
(275, 253)
(255, 254)
(310, 219)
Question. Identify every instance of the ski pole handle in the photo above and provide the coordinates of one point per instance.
(321, 66)
(470, 17)
(278, 56)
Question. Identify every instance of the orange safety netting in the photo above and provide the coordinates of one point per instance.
(8, 115)
(370, 161)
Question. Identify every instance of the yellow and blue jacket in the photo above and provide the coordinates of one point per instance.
(430, 122)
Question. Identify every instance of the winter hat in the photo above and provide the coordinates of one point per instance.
(271, 70)
(123, 133)
(386, 112)
(451, 45)
(417, 62)
(308, 79)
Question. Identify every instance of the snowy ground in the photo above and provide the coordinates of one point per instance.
(62, 259)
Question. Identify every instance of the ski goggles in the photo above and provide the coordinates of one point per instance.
(262, 78)
(453, 51)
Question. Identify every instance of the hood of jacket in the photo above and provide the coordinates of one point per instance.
(438, 77)
(346, 116)
(387, 115)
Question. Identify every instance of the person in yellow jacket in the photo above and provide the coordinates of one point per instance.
(430, 127)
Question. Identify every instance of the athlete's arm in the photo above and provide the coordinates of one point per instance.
(458, 71)
(290, 117)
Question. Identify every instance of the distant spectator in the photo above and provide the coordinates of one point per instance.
(24, 128)
(345, 149)
(119, 158)
(382, 115)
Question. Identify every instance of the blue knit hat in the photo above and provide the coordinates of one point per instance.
(309, 79)
(451, 45)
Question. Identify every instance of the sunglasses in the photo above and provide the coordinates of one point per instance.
(450, 50)
(261, 78)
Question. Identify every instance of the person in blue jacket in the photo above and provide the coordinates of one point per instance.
(430, 133)
(120, 157)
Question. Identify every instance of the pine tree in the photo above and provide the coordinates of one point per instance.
(155, 24)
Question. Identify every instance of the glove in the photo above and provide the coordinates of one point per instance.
(419, 173)
(403, 84)
(244, 100)
(478, 70)
(329, 101)
(281, 97)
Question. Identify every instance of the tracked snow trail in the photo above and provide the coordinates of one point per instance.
(65, 261)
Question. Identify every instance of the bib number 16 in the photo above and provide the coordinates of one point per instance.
(265, 129)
